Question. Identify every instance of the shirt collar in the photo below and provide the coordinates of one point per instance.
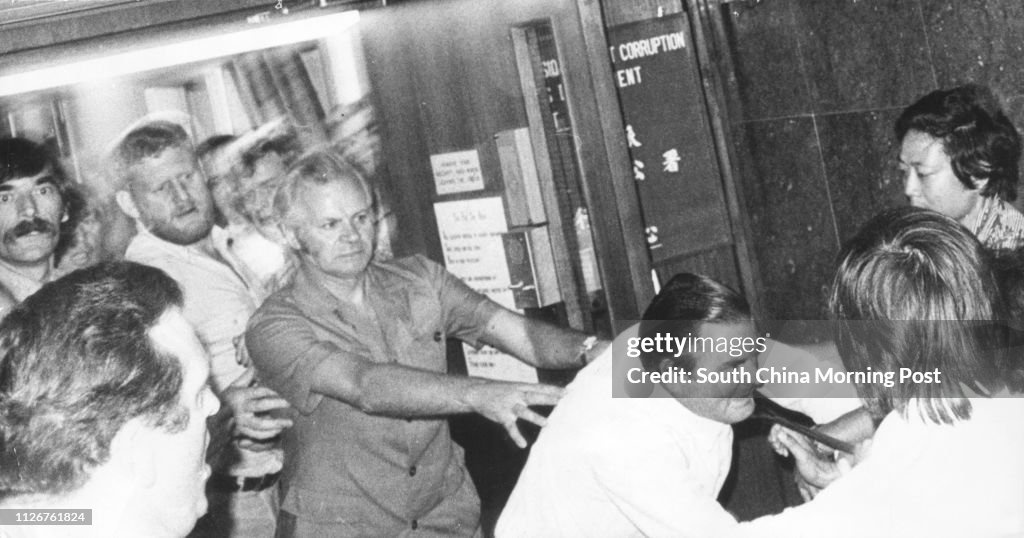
(310, 293)
(146, 238)
(309, 287)
(989, 205)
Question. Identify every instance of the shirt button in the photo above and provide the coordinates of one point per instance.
(412, 471)
(437, 336)
(415, 524)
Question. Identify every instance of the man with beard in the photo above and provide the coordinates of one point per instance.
(166, 194)
(32, 194)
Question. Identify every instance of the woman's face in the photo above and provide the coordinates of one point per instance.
(929, 180)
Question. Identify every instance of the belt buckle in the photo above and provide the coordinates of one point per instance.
(239, 483)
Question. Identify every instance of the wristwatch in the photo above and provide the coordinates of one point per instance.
(587, 345)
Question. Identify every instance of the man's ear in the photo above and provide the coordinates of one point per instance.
(665, 365)
(135, 448)
(127, 204)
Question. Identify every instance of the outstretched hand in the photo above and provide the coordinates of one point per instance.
(505, 403)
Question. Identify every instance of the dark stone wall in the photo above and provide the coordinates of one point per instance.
(818, 85)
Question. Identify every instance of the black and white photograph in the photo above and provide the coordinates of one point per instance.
(511, 268)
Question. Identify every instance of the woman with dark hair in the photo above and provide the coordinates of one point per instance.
(915, 290)
(959, 153)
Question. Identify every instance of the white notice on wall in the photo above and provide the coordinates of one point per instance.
(470, 233)
(458, 171)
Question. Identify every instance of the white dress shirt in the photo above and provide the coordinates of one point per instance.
(617, 467)
(923, 479)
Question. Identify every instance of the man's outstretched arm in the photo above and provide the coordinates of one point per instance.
(540, 344)
(303, 369)
(401, 391)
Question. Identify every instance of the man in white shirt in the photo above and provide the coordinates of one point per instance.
(166, 194)
(652, 466)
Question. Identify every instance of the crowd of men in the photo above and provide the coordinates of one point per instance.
(356, 342)
(258, 365)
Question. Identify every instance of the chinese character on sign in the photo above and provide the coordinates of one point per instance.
(638, 167)
(652, 236)
(671, 162)
(631, 137)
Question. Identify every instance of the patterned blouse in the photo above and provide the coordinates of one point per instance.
(999, 225)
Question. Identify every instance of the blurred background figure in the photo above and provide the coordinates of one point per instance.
(243, 174)
(259, 161)
(81, 237)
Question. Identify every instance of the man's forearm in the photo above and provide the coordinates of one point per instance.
(541, 344)
(395, 390)
(403, 392)
(854, 427)
(557, 347)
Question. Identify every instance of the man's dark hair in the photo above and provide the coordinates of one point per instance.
(976, 134)
(284, 144)
(684, 303)
(216, 179)
(24, 158)
(76, 364)
(147, 141)
(213, 143)
(915, 289)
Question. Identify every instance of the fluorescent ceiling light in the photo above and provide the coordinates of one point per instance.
(181, 52)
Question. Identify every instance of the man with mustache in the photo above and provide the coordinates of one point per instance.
(166, 194)
(32, 208)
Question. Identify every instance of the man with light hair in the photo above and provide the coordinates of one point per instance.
(357, 346)
(165, 193)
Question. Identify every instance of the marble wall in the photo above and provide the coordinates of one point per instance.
(819, 84)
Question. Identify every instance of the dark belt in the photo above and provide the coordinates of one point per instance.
(231, 484)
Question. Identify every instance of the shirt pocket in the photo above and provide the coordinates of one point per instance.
(427, 346)
(344, 512)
